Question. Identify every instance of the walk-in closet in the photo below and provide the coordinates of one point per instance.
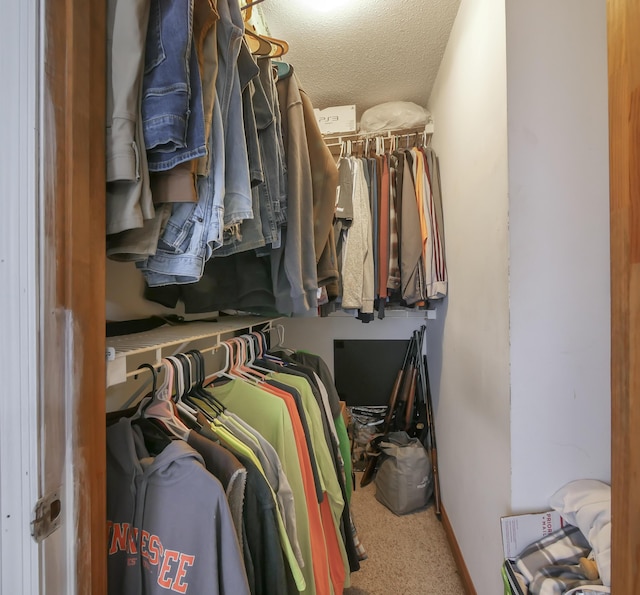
(205, 283)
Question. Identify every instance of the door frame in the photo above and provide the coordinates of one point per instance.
(623, 17)
(73, 327)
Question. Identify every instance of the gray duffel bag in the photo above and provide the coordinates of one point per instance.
(404, 482)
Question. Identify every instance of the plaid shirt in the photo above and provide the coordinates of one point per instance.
(550, 565)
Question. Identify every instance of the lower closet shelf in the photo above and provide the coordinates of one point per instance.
(181, 335)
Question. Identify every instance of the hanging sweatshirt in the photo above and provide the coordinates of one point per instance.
(169, 525)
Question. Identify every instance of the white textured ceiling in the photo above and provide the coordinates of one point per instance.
(363, 52)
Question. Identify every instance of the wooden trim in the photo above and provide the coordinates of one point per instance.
(623, 17)
(74, 218)
(465, 577)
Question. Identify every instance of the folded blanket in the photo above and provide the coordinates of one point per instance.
(586, 503)
(556, 580)
(551, 565)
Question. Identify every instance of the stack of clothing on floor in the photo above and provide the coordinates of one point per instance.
(576, 557)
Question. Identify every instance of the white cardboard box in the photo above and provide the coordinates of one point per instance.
(335, 120)
(521, 530)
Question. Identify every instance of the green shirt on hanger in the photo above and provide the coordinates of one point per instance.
(269, 415)
(321, 449)
(236, 445)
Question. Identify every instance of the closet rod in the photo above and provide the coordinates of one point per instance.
(179, 336)
(335, 140)
(250, 4)
(279, 329)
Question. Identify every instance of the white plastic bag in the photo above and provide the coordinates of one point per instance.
(394, 115)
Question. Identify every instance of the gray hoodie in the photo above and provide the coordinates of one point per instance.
(169, 525)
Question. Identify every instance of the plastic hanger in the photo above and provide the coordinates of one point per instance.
(258, 45)
(280, 344)
(184, 385)
(238, 358)
(198, 390)
(261, 45)
(256, 351)
(161, 407)
(154, 432)
(248, 364)
(154, 388)
(279, 47)
(224, 373)
(283, 69)
(261, 342)
(265, 341)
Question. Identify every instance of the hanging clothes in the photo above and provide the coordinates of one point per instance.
(263, 556)
(294, 264)
(357, 265)
(228, 470)
(293, 566)
(169, 523)
(324, 181)
(253, 223)
(411, 269)
(275, 417)
(314, 366)
(405, 217)
(266, 437)
(438, 284)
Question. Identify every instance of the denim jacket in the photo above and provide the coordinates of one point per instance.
(172, 109)
(237, 197)
(195, 230)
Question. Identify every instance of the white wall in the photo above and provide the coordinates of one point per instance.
(317, 334)
(20, 461)
(125, 294)
(471, 374)
(523, 379)
(559, 246)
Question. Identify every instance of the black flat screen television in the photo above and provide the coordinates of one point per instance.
(365, 369)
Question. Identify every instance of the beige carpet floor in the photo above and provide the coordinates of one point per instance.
(408, 555)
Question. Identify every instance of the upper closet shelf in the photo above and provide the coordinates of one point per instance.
(179, 336)
(336, 139)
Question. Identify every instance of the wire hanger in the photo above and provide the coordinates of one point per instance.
(250, 5)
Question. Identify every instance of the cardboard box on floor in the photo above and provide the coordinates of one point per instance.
(521, 530)
(345, 413)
